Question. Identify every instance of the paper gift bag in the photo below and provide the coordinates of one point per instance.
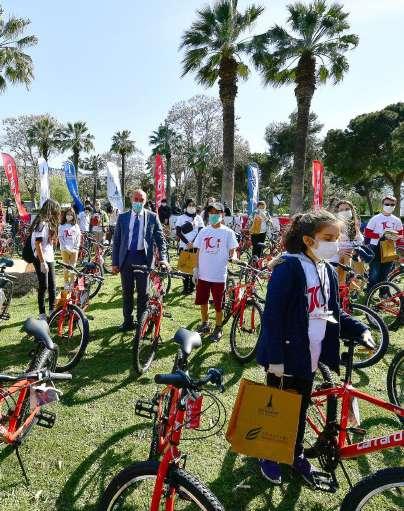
(388, 252)
(187, 261)
(264, 422)
(256, 225)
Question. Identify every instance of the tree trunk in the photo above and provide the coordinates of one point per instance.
(228, 92)
(95, 179)
(76, 156)
(199, 187)
(369, 201)
(305, 86)
(123, 179)
(168, 178)
(397, 193)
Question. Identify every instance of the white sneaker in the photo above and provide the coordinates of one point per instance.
(43, 317)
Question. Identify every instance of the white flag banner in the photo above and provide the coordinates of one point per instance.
(114, 186)
(44, 180)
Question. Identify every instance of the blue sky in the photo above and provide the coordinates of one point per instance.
(116, 65)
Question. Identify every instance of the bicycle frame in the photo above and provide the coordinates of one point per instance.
(346, 393)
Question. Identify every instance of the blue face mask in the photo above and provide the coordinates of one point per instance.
(137, 207)
(214, 218)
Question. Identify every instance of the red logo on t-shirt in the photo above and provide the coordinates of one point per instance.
(386, 225)
(209, 242)
(313, 297)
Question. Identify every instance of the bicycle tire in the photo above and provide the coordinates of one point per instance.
(377, 307)
(43, 358)
(393, 382)
(235, 349)
(166, 285)
(107, 256)
(96, 284)
(7, 287)
(146, 323)
(384, 341)
(359, 495)
(186, 484)
(395, 275)
(81, 346)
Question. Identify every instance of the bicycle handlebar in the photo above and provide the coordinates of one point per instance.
(182, 380)
(79, 273)
(40, 374)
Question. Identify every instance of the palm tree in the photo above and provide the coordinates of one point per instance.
(309, 55)
(164, 140)
(94, 163)
(75, 137)
(44, 133)
(122, 145)
(213, 50)
(15, 65)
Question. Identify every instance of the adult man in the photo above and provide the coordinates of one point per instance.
(136, 233)
(387, 225)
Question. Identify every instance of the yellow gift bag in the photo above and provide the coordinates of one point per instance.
(256, 225)
(264, 422)
(388, 252)
(187, 261)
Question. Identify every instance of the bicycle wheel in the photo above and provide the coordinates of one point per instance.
(145, 343)
(395, 381)
(245, 330)
(380, 334)
(94, 285)
(70, 330)
(133, 488)
(42, 359)
(382, 490)
(385, 298)
(7, 288)
(107, 256)
(397, 277)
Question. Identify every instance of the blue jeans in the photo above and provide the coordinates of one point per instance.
(378, 271)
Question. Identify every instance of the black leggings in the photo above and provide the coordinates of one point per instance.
(255, 239)
(303, 387)
(46, 282)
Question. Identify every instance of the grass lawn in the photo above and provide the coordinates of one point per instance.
(97, 433)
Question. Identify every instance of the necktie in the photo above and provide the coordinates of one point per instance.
(135, 235)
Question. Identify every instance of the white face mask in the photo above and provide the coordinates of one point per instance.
(191, 210)
(345, 215)
(326, 250)
(388, 209)
(69, 218)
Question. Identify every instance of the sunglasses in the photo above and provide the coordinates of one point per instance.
(388, 204)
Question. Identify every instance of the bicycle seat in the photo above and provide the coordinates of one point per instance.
(89, 265)
(6, 263)
(39, 329)
(187, 339)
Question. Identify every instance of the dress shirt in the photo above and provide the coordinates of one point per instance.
(140, 240)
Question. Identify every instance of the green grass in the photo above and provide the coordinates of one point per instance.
(97, 433)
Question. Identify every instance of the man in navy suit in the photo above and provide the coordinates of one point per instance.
(136, 233)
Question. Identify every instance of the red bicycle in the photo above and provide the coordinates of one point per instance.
(333, 442)
(163, 483)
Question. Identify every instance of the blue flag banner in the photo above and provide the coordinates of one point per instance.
(71, 182)
(253, 184)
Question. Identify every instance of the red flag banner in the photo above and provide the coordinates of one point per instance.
(10, 168)
(159, 180)
(317, 182)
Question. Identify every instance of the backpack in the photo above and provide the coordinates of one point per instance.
(27, 252)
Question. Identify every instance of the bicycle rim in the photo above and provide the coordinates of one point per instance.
(145, 343)
(386, 300)
(388, 496)
(245, 331)
(395, 380)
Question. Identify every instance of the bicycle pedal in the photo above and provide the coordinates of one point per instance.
(5, 316)
(323, 481)
(357, 431)
(46, 419)
(145, 408)
(167, 315)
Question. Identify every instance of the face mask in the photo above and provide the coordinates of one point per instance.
(164, 203)
(388, 209)
(344, 215)
(325, 250)
(69, 218)
(137, 207)
(261, 211)
(214, 218)
(191, 210)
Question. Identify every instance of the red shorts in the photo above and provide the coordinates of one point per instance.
(203, 290)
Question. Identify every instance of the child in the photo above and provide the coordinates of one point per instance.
(69, 239)
(302, 320)
(216, 244)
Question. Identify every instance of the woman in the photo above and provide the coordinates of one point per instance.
(69, 240)
(187, 227)
(260, 227)
(44, 231)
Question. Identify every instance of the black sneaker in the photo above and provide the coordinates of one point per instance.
(217, 334)
(203, 328)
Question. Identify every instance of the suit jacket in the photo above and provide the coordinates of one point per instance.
(284, 335)
(152, 235)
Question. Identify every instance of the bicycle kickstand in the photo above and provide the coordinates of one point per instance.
(346, 474)
(20, 462)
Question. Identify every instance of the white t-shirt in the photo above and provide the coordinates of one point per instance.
(84, 221)
(69, 237)
(214, 245)
(237, 223)
(196, 223)
(228, 221)
(380, 223)
(317, 301)
(42, 232)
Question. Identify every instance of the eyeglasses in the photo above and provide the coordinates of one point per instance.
(388, 204)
